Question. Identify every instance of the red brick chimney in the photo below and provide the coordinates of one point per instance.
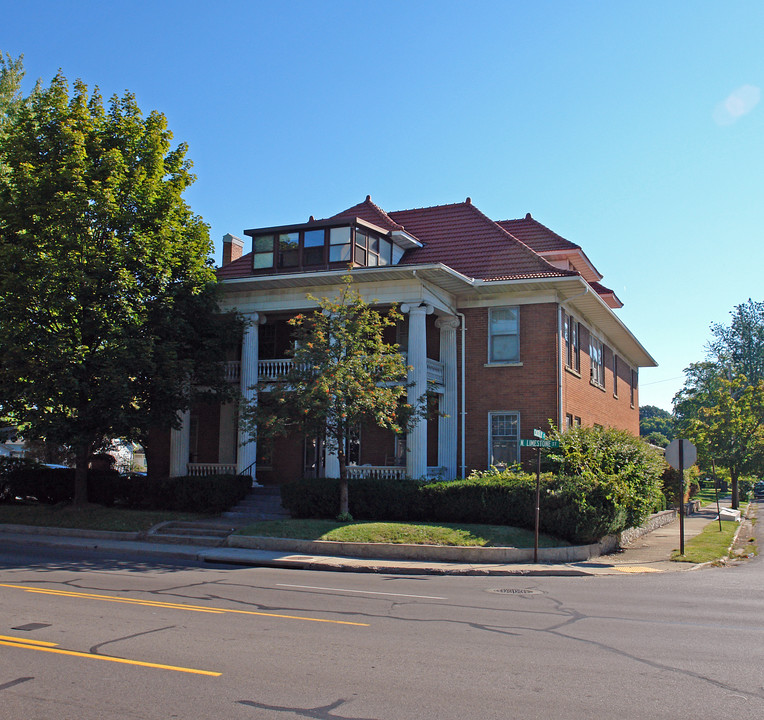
(233, 248)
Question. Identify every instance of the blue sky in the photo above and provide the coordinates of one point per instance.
(631, 128)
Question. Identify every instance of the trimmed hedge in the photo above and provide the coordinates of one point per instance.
(206, 494)
(576, 509)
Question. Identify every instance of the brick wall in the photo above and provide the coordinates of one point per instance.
(600, 405)
(530, 388)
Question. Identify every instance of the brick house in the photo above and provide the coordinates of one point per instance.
(506, 322)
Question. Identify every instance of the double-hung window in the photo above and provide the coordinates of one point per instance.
(572, 349)
(597, 361)
(504, 334)
(504, 438)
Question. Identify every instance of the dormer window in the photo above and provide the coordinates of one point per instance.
(319, 248)
(340, 245)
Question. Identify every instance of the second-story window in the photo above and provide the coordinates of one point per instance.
(263, 252)
(289, 250)
(340, 245)
(597, 366)
(313, 247)
(503, 334)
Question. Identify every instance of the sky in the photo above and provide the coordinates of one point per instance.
(634, 129)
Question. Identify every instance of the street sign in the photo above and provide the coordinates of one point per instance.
(540, 443)
(540, 434)
(689, 452)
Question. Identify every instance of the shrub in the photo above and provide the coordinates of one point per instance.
(369, 499)
(575, 509)
(630, 466)
(203, 494)
(25, 479)
(207, 494)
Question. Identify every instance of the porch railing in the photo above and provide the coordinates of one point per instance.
(376, 472)
(232, 369)
(200, 469)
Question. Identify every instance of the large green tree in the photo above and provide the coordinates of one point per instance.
(656, 425)
(719, 405)
(343, 375)
(108, 314)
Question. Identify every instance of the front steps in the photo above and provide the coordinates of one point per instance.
(262, 503)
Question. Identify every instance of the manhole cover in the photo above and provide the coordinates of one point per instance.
(515, 591)
(31, 626)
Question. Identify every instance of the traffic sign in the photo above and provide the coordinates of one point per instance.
(689, 454)
(540, 434)
(540, 443)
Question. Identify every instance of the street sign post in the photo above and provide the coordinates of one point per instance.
(539, 442)
(681, 454)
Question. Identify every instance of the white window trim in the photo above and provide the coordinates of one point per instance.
(490, 432)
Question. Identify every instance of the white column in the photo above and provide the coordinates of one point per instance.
(448, 424)
(416, 442)
(180, 445)
(247, 451)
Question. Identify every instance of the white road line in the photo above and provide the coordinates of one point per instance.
(365, 592)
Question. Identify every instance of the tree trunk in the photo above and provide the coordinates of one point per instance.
(734, 474)
(343, 484)
(81, 475)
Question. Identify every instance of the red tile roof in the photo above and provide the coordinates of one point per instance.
(370, 212)
(237, 269)
(463, 238)
(536, 236)
(458, 236)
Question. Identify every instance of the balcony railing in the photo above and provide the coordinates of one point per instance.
(270, 370)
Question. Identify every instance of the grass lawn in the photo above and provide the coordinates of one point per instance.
(711, 544)
(93, 517)
(707, 495)
(409, 533)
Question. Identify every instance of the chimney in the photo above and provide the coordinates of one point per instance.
(233, 248)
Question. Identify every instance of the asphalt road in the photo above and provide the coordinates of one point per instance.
(87, 637)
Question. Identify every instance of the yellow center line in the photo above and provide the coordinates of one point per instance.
(28, 642)
(27, 645)
(174, 606)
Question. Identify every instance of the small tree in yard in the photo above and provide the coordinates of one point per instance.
(344, 374)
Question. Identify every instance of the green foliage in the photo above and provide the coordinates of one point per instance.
(657, 439)
(575, 509)
(721, 404)
(344, 375)
(656, 421)
(107, 293)
(628, 466)
(208, 494)
(370, 498)
(27, 480)
(608, 480)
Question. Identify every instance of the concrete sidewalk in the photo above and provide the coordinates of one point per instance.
(649, 553)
